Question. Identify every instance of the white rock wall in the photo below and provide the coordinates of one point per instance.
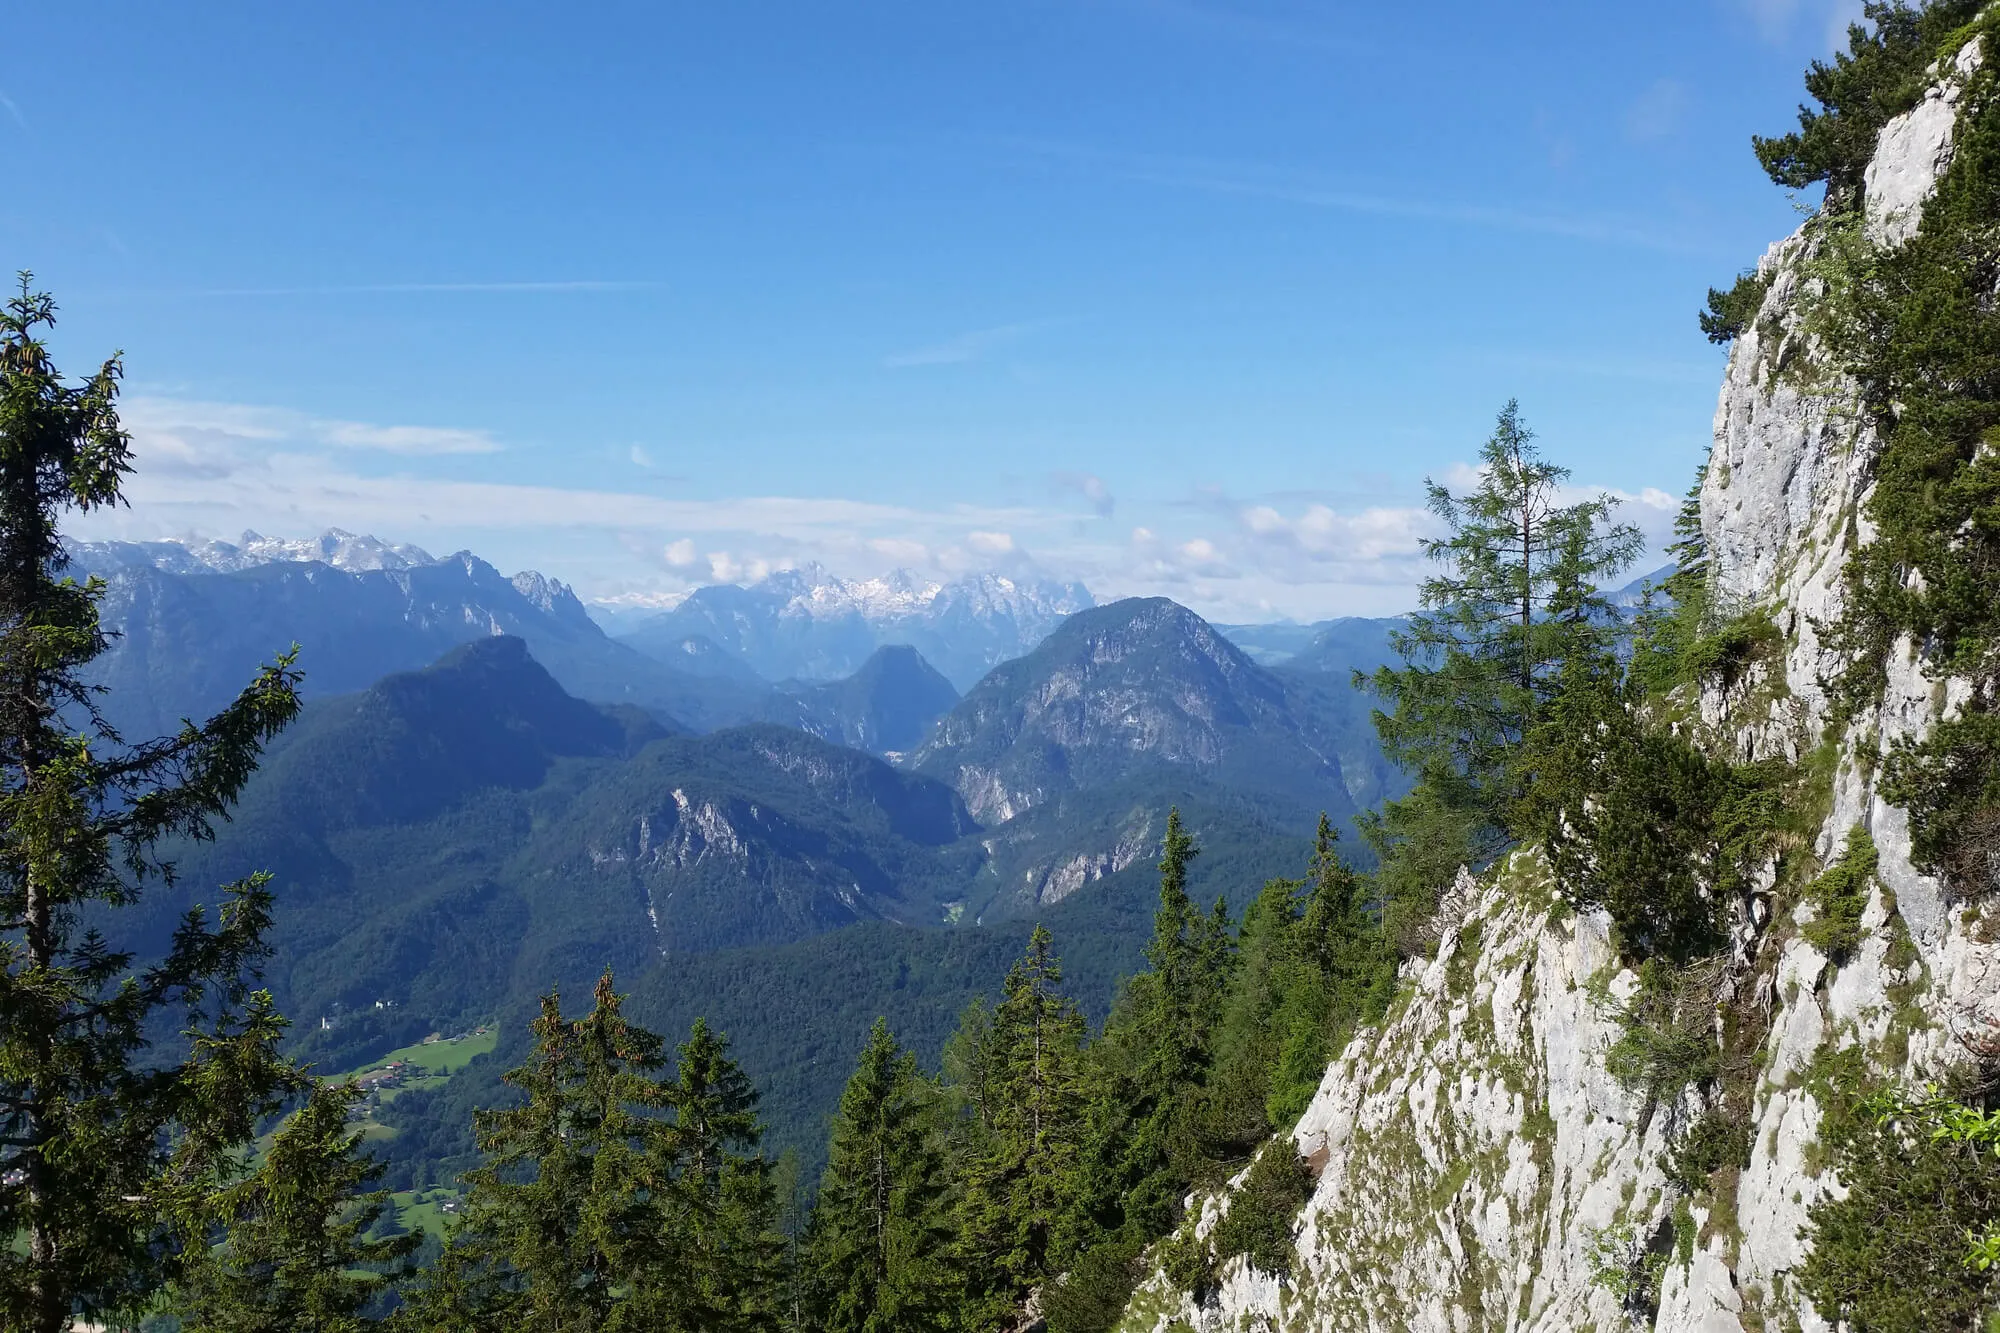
(1472, 1150)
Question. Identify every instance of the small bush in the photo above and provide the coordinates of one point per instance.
(1630, 1269)
(1950, 783)
(1726, 654)
(1841, 896)
(1093, 1294)
(1892, 1255)
(1711, 1143)
(1262, 1218)
(1668, 1041)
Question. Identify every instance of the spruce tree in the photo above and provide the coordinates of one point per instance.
(294, 1249)
(1517, 594)
(1343, 976)
(566, 1222)
(726, 1207)
(1016, 1183)
(1141, 1141)
(880, 1236)
(98, 1133)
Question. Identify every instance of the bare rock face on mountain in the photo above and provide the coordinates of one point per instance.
(1136, 684)
(1477, 1166)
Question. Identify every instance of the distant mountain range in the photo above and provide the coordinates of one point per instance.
(808, 624)
(489, 795)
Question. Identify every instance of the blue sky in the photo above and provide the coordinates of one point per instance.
(1169, 296)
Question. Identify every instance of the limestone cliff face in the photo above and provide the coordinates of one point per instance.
(1478, 1167)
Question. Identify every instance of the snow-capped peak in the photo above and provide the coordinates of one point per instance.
(341, 549)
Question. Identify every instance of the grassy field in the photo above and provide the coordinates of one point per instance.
(423, 1210)
(430, 1063)
(438, 1055)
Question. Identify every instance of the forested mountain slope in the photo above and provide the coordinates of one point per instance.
(1734, 1134)
(457, 839)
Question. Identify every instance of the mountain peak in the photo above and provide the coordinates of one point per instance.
(1143, 682)
(807, 623)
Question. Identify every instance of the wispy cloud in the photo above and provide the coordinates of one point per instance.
(1090, 487)
(970, 346)
(178, 428)
(422, 288)
(14, 111)
(1777, 20)
(1657, 113)
(1255, 180)
(214, 469)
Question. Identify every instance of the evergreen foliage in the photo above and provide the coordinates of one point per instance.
(1730, 312)
(1899, 1249)
(880, 1241)
(1030, 1098)
(1882, 74)
(1916, 327)
(99, 1134)
(726, 1205)
(569, 1223)
(1517, 598)
(289, 1246)
(1841, 896)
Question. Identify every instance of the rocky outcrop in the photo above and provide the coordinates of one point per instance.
(1478, 1167)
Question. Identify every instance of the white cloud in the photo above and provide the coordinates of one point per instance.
(910, 554)
(1777, 20)
(211, 469)
(170, 421)
(1090, 487)
(404, 439)
(640, 458)
(725, 568)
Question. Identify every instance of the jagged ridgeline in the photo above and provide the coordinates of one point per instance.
(1714, 1043)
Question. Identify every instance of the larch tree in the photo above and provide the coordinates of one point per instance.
(100, 1132)
(1516, 595)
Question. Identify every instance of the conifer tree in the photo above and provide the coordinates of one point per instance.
(294, 1251)
(1016, 1183)
(98, 1134)
(1345, 976)
(566, 1222)
(727, 1204)
(1141, 1140)
(880, 1236)
(1518, 594)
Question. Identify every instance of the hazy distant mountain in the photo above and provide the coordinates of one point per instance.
(193, 622)
(809, 624)
(886, 707)
(335, 547)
